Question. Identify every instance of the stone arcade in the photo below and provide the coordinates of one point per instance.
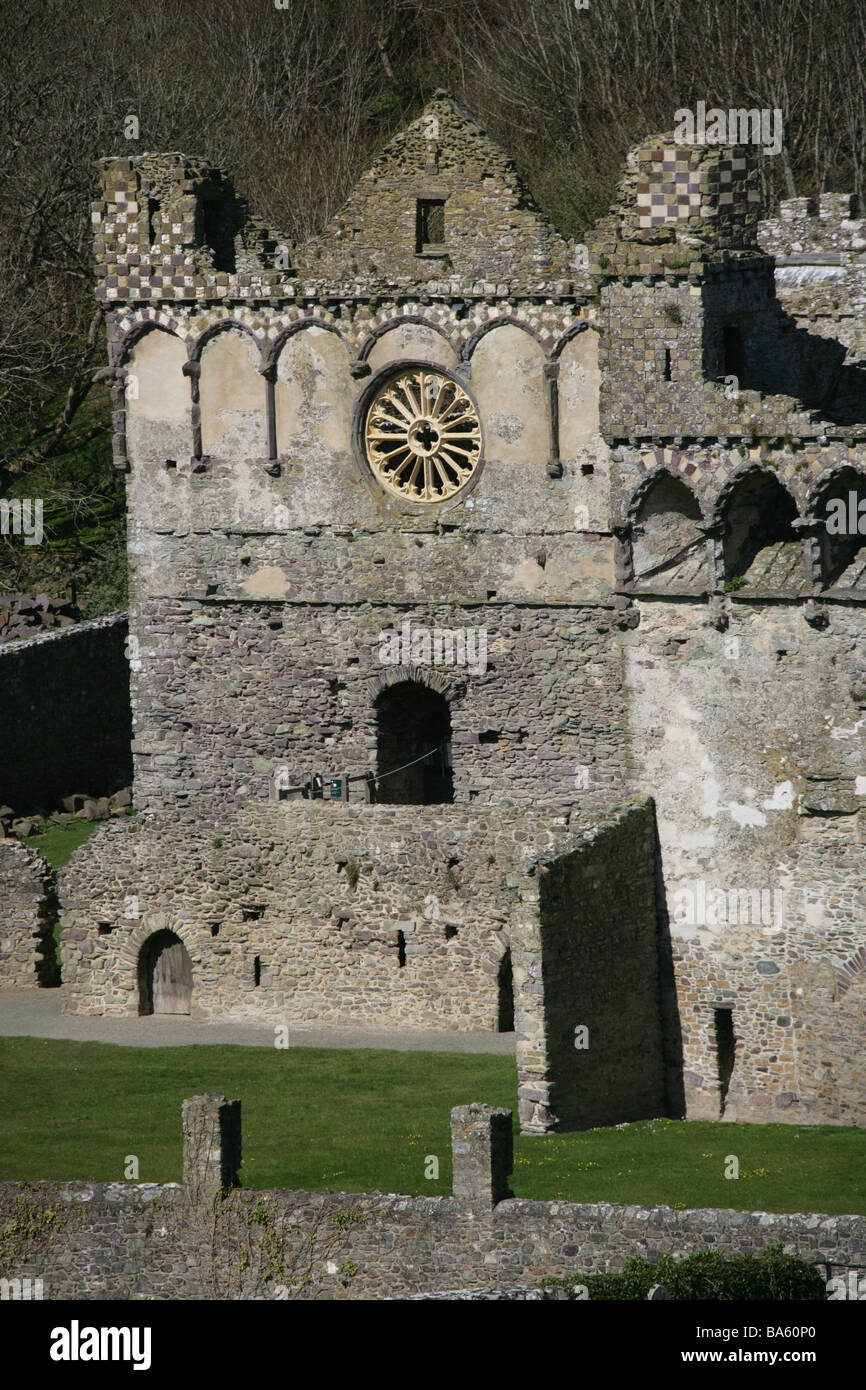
(618, 465)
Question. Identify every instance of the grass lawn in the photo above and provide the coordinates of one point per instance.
(357, 1121)
(57, 842)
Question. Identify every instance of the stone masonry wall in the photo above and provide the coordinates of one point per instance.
(66, 718)
(750, 741)
(28, 912)
(590, 1051)
(120, 1242)
(379, 914)
(820, 250)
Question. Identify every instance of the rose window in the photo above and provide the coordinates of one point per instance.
(422, 435)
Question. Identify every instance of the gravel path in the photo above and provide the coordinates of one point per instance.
(36, 1014)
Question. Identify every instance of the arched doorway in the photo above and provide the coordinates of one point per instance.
(164, 975)
(413, 726)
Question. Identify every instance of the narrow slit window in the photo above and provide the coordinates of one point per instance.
(153, 220)
(725, 1051)
(667, 364)
(429, 224)
(257, 970)
(401, 948)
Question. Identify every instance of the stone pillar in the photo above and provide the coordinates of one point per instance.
(211, 1145)
(482, 1150)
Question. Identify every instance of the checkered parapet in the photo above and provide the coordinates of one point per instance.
(678, 208)
(710, 190)
(172, 228)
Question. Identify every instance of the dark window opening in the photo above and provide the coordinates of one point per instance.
(489, 736)
(252, 913)
(401, 948)
(732, 352)
(429, 224)
(171, 464)
(214, 928)
(413, 746)
(153, 220)
(505, 983)
(725, 1051)
(217, 230)
(450, 931)
(667, 364)
(257, 970)
(105, 928)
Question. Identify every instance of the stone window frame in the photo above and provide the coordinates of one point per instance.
(386, 500)
(427, 198)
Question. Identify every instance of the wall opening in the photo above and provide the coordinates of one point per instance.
(257, 970)
(164, 975)
(401, 948)
(153, 211)
(429, 225)
(725, 1052)
(413, 735)
(667, 364)
(759, 517)
(505, 984)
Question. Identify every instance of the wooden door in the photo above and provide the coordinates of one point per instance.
(172, 980)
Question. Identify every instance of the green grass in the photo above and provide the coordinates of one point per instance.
(358, 1121)
(57, 842)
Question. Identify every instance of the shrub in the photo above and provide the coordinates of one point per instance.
(768, 1277)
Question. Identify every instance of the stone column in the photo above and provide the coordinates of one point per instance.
(482, 1151)
(211, 1145)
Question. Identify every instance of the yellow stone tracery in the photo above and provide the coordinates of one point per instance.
(423, 436)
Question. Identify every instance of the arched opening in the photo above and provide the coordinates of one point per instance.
(413, 738)
(761, 544)
(164, 975)
(667, 546)
(841, 509)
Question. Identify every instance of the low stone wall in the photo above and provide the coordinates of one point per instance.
(66, 724)
(28, 911)
(203, 1240)
(146, 1241)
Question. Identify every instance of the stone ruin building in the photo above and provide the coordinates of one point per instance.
(493, 664)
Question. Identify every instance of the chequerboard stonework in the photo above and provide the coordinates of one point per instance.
(492, 661)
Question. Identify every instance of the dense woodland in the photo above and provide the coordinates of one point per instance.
(294, 98)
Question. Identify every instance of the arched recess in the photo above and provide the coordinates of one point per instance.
(579, 385)
(158, 401)
(839, 504)
(411, 338)
(413, 745)
(313, 394)
(666, 539)
(761, 545)
(232, 397)
(165, 977)
(508, 382)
